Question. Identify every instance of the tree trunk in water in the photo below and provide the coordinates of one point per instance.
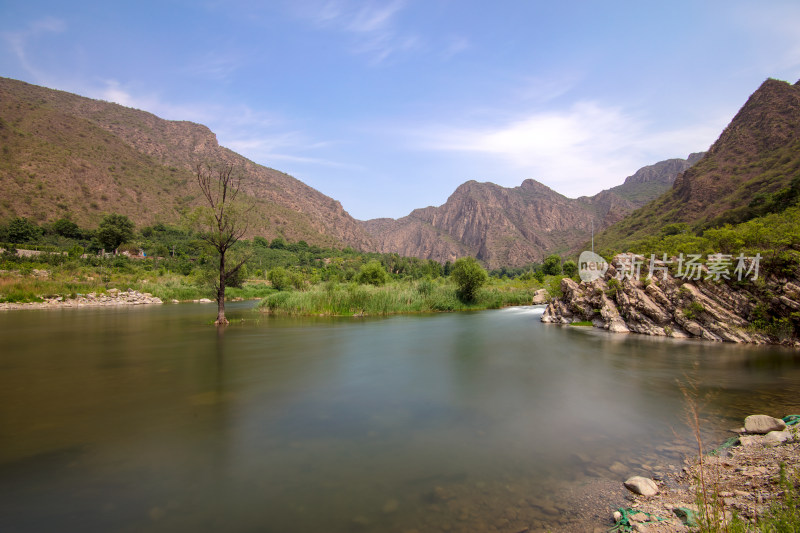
(221, 320)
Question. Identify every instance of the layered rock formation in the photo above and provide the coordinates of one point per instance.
(670, 306)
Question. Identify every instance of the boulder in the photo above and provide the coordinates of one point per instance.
(750, 440)
(641, 485)
(763, 424)
(540, 297)
(777, 437)
(617, 325)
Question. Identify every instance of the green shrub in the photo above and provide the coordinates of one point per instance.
(570, 269)
(373, 273)
(614, 286)
(693, 310)
(469, 276)
(554, 287)
(552, 265)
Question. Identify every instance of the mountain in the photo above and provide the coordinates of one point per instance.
(652, 181)
(64, 154)
(755, 157)
(515, 226)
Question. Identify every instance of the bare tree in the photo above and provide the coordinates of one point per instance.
(223, 222)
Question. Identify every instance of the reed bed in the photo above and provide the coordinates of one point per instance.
(336, 299)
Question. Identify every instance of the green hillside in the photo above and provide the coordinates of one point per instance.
(64, 155)
(751, 170)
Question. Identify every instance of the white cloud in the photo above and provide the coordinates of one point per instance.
(372, 18)
(454, 45)
(113, 92)
(258, 136)
(586, 148)
(20, 41)
(370, 25)
(543, 89)
(215, 66)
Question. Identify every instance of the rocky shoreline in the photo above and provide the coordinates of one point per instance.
(111, 298)
(668, 306)
(742, 478)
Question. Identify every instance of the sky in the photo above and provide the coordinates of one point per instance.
(388, 106)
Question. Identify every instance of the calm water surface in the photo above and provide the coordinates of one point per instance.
(148, 419)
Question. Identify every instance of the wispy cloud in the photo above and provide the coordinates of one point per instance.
(20, 41)
(454, 45)
(543, 89)
(587, 147)
(215, 66)
(258, 135)
(370, 25)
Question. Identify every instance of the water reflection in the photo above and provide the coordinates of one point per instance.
(150, 420)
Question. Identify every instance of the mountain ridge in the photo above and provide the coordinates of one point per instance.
(514, 226)
(76, 156)
(122, 159)
(757, 154)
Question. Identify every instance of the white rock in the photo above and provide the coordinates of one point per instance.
(540, 297)
(763, 424)
(750, 440)
(617, 325)
(777, 437)
(641, 485)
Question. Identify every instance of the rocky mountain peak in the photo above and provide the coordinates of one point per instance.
(769, 118)
(661, 172)
(757, 154)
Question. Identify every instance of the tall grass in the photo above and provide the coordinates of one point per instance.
(336, 299)
(714, 516)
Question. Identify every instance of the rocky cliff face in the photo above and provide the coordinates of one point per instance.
(519, 225)
(663, 172)
(674, 307)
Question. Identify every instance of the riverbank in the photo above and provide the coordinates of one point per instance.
(404, 297)
(742, 480)
(110, 298)
(761, 311)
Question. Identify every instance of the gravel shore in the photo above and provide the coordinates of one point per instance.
(743, 479)
(111, 298)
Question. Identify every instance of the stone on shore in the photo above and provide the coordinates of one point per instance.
(666, 305)
(540, 297)
(641, 485)
(750, 440)
(777, 437)
(763, 424)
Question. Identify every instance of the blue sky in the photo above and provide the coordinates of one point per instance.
(388, 106)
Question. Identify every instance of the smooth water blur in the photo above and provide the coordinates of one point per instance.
(149, 419)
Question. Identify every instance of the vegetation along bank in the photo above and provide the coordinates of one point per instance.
(62, 264)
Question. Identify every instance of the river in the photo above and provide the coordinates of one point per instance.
(148, 419)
